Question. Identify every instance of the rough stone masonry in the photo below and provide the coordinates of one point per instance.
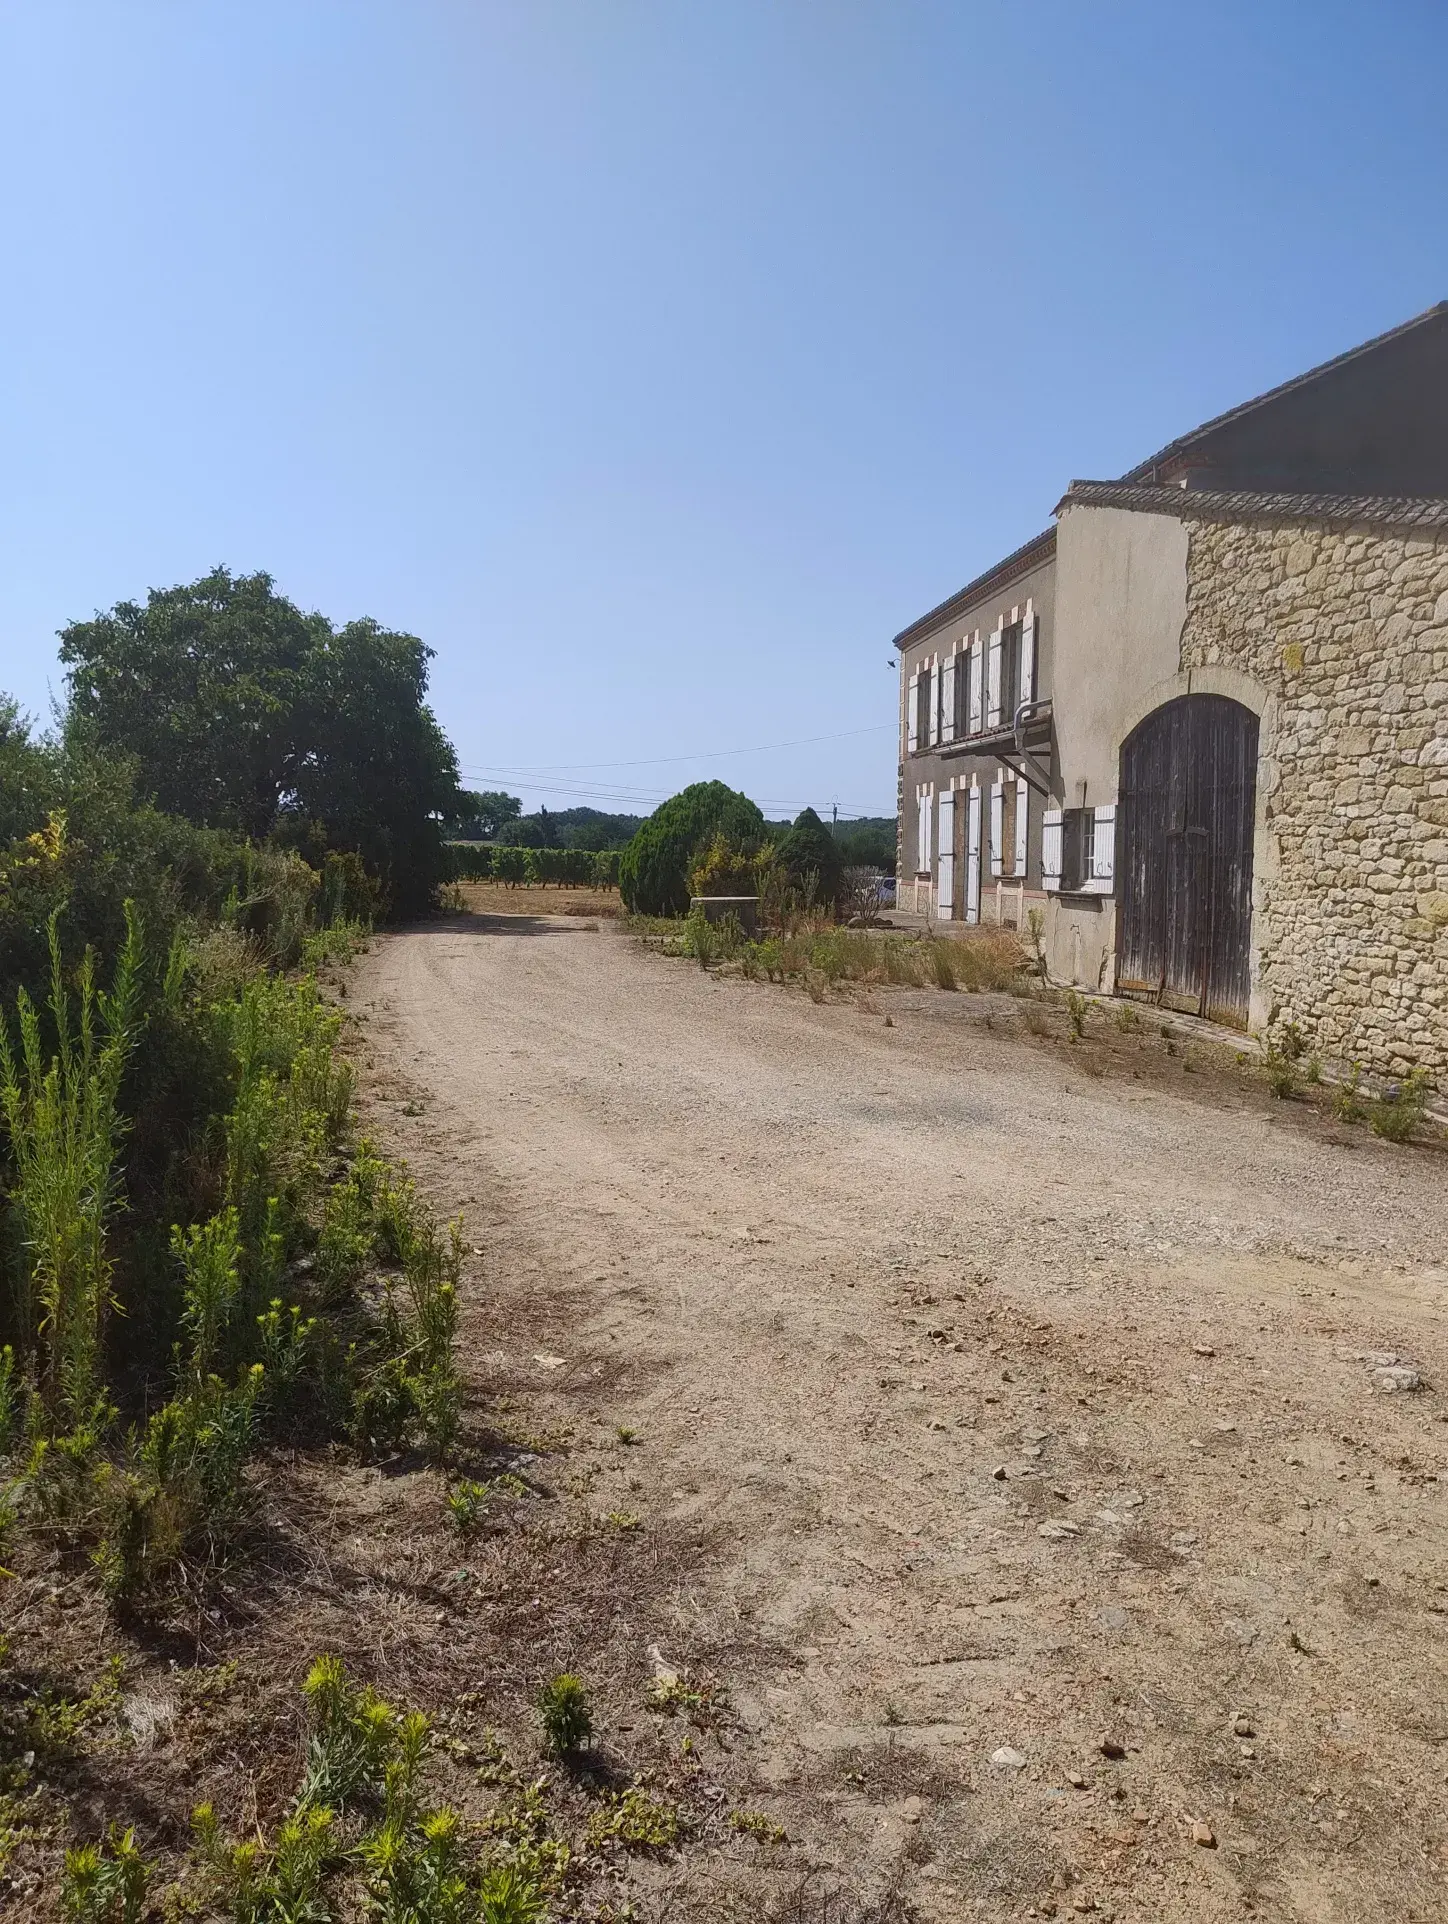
(1346, 627)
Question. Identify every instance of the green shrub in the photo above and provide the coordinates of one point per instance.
(810, 857)
(942, 963)
(564, 1713)
(1076, 1011)
(1397, 1113)
(654, 869)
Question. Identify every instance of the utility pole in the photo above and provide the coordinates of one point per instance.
(835, 816)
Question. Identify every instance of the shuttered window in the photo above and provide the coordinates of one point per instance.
(1051, 850)
(1103, 846)
(1023, 819)
(912, 715)
(997, 825)
(922, 834)
(972, 856)
(932, 705)
(1028, 658)
(948, 670)
(974, 721)
(993, 681)
(945, 863)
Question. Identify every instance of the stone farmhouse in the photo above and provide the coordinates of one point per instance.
(1201, 722)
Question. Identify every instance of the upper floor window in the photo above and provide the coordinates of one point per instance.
(976, 688)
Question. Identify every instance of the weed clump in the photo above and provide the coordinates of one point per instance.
(564, 1714)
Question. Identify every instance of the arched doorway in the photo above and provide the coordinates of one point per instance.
(1185, 817)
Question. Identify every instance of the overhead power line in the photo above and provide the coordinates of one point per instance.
(618, 800)
(697, 755)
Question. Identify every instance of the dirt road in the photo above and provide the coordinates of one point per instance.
(1007, 1428)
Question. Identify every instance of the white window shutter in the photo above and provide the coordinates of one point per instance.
(1028, 658)
(1103, 853)
(945, 863)
(972, 857)
(932, 713)
(993, 682)
(1051, 850)
(947, 699)
(1023, 820)
(973, 716)
(922, 834)
(997, 825)
(912, 715)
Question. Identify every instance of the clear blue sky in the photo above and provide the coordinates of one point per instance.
(657, 363)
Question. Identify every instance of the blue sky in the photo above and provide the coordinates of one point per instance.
(657, 363)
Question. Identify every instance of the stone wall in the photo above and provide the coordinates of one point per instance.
(1346, 629)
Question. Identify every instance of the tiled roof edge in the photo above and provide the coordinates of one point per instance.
(1434, 315)
(1421, 512)
(1029, 555)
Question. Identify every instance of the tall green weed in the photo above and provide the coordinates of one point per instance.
(65, 1125)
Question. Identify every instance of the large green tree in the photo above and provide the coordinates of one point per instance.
(240, 712)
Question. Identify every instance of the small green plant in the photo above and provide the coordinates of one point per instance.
(525, 1833)
(701, 1699)
(10, 1388)
(754, 1823)
(564, 1713)
(700, 939)
(353, 1738)
(508, 1895)
(106, 1884)
(210, 1257)
(1036, 934)
(1281, 1070)
(625, 1435)
(1396, 1114)
(1348, 1104)
(1291, 1042)
(624, 1520)
(635, 1820)
(1076, 1007)
(466, 1502)
(1128, 1018)
(1313, 1071)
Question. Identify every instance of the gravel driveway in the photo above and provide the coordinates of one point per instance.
(1066, 1550)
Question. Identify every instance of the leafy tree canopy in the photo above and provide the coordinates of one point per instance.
(485, 815)
(653, 874)
(240, 712)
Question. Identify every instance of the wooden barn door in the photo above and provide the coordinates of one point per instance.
(1184, 857)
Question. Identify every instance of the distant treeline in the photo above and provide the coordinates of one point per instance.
(497, 817)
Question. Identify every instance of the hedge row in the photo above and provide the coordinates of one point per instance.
(565, 867)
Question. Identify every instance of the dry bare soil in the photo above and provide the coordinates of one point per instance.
(1008, 1438)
